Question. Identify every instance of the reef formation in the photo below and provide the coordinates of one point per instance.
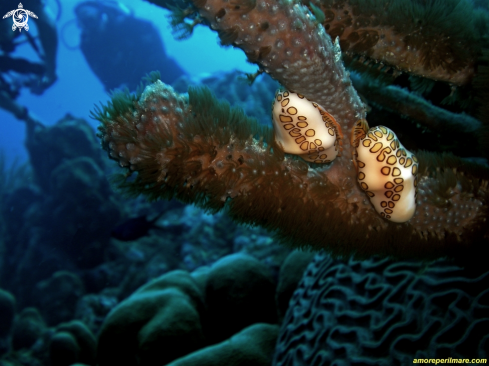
(201, 151)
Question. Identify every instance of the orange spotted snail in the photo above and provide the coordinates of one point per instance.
(386, 171)
(304, 128)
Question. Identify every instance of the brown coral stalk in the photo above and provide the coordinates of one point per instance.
(285, 40)
(433, 39)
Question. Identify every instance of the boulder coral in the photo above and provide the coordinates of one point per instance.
(221, 307)
(238, 284)
(159, 322)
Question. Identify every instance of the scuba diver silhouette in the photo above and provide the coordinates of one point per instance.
(16, 73)
(120, 48)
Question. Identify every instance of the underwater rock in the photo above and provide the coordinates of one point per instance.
(76, 178)
(73, 342)
(75, 234)
(158, 323)
(260, 244)
(253, 345)
(385, 312)
(239, 292)
(69, 138)
(179, 313)
(16, 204)
(58, 295)
(28, 328)
(83, 211)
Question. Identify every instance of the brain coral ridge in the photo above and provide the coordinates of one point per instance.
(200, 151)
(382, 312)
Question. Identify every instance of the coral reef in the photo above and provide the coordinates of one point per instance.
(197, 150)
(186, 312)
(172, 294)
(68, 181)
(166, 311)
(238, 284)
(60, 263)
(232, 86)
(383, 312)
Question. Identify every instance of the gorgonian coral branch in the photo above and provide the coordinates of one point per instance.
(438, 40)
(286, 41)
(200, 151)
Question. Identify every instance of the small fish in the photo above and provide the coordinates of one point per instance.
(134, 228)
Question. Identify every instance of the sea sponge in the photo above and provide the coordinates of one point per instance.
(383, 312)
(254, 345)
(159, 322)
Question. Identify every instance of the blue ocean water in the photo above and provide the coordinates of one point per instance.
(78, 89)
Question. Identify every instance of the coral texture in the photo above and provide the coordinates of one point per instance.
(165, 311)
(239, 292)
(384, 313)
(254, 345)
(199, 151)
(179, 314)
(437, 40)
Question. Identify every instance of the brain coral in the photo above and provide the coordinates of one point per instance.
(381, 312)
